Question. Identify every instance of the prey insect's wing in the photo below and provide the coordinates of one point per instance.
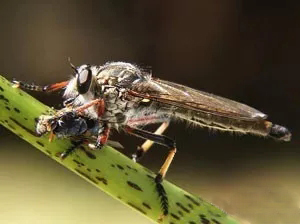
(191, 99)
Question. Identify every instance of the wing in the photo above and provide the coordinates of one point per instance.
(191, 99)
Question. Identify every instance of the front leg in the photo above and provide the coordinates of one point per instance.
(102, 137)
(75, 145)
(33, 87)
(98, 102)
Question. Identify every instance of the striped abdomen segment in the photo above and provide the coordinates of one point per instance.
(251, 126)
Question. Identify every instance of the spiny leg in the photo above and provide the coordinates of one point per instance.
(33, 87)
(165, 141)
(75, 144)
(141, 150)
(159, 139)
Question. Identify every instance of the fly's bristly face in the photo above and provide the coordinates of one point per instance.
(82, 85)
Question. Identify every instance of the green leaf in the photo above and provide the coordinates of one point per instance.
(107, 169)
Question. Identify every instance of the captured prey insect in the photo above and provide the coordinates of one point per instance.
(67, 123)
(120, 95)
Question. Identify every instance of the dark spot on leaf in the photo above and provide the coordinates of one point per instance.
(22, 126)
(17, 110)
(175, 216)
(77, 162)
(182, 207)
(88, 153)
(214, 214)
(146, 205)
(88, 169)
(133, 185)
(190, 206)
(86, 176)
(12, 127)
(120, 167)
(97, 170)
(150, 176)
(204, 220)
(1, 89)
(113, 166)
(47, 151)
(40, 143)
(215, 221)
(192, 200)
(131, 168)
(103, 180)
(136, 207)
(3, 98)
(7, 108)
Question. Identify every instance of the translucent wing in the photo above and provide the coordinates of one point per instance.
(191, 99)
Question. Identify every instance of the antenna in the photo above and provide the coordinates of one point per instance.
(72, 66)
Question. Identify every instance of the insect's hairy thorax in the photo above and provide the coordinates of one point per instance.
(109, 82)
(115, 74)
(119, 74)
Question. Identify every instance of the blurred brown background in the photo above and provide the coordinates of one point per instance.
(243, 50)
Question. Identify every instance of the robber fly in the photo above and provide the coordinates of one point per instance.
(122, 96)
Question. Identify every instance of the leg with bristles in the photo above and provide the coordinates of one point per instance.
(165, 141)
(141, 150)
(99, 102)
(33, 87)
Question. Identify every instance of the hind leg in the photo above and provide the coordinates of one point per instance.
(167, 142)
(141, 150)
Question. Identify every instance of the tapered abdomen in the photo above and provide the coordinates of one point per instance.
(257, 126)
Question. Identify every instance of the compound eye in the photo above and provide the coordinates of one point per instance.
(84, 80)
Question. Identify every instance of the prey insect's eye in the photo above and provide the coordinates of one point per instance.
(84, 80)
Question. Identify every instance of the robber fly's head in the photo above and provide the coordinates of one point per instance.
(82, 82)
